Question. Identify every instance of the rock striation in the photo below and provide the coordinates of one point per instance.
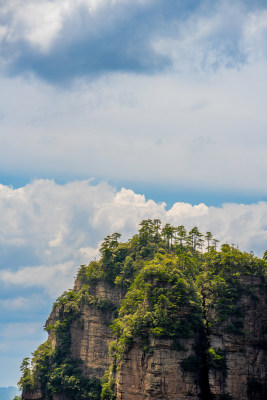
(246, 352)
(157, 375)
(90, 333)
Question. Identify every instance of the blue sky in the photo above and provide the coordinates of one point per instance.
(112, 111)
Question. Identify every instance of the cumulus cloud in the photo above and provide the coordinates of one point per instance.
(59, 227)
(62, 40)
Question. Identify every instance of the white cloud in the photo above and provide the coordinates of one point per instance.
(209, 39)
(42, 23)
(38, 23)
(185, 210)
(56, 241)
(211, 35)
(186, 129)
(37, 212)
(207, 133)
(55, 279)
(89, 253)
(255, 34)
(243, 225)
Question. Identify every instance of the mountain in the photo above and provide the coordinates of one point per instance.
(157, 318)
(8, 393)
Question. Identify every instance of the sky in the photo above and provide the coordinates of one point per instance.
(113, 111)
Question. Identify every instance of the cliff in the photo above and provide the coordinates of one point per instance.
(90, 333)
(244, 342)
(155, 320)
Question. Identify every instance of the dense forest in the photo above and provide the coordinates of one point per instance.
(176, 285)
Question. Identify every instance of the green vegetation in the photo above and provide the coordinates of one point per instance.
(216, 358)
(108, 385)
(53, 372)
(176, 284)
(153, 304)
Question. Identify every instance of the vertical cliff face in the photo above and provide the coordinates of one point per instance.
(90, 334)
(157, 374)
(90, 338)
(244, 346)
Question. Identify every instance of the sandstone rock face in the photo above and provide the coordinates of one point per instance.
(90, 333)
(106, 292)
(90, 338)
(35, 395)
(157, 374)
(246, 354)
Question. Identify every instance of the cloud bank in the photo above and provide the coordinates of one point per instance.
(47, 230)
(208, 134)
(63, 40)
